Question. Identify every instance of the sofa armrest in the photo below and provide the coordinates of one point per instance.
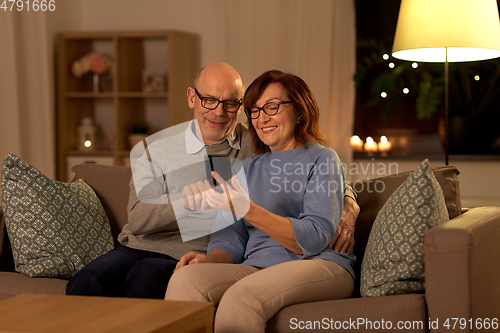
(462, 266)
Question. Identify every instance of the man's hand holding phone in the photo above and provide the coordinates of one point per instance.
(194, 197)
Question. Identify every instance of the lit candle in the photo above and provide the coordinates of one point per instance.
(356, 143)
(370, 145)
(384, 145)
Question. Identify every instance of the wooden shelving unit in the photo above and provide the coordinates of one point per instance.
(122, 101)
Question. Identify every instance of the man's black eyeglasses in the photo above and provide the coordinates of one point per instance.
(211, 103)
(270, 109)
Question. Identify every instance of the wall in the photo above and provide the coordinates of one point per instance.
(203, 17)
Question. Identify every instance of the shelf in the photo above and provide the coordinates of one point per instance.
(165, 60)
(142, 95)
(138, 94)
(123, 153)
(89, 95)
(90, 153)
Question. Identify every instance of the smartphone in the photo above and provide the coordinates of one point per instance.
(221, 165)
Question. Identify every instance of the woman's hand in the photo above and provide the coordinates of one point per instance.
(215, 256)
(193, 197)
(192, 258)
(233, 200)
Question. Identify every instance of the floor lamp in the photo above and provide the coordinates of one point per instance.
(447, 31)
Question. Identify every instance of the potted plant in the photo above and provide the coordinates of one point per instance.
(138, 132)
(381, 73)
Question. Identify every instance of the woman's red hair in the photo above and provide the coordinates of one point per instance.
(303, 102)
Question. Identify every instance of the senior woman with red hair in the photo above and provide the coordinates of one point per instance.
(276, 226)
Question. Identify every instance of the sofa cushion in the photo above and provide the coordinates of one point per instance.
(14, 284)
(55, 228)
(373, 193)
(394, 256)
(111, 184)
(373, 314)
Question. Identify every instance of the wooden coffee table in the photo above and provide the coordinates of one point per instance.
(54, 313)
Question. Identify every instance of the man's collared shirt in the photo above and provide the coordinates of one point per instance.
(194, 144)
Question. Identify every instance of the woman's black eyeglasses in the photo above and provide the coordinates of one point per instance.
(270, 109)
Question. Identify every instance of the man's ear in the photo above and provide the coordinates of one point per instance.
(191, 95)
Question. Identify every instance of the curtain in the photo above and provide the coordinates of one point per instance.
(312, 39)
(27, 125)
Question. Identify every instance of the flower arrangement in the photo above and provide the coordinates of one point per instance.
(92, 62)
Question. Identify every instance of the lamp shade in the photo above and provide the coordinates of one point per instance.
(452, 30)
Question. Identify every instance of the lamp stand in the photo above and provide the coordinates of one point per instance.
(446, 110)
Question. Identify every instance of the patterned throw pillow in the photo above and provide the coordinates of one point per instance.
(55, 228)
(394, 256)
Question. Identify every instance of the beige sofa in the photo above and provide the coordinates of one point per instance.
(462, 264)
